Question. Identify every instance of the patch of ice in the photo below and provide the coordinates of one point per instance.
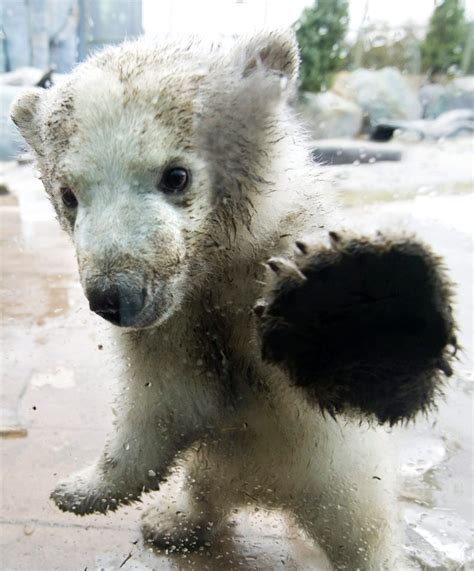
(421, 455)
(439, 539)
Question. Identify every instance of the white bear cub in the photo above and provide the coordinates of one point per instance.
(178, 170)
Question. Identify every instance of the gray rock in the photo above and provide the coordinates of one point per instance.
(448, 125)
(326, 115)
(433, 100)
(330, 153)
(31, 77)
(383, 94)
(23, 76)
(437, 99)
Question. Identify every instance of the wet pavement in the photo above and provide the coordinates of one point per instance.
(57, 385)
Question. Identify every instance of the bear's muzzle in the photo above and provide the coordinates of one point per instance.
(118, 303)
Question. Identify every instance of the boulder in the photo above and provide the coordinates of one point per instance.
(437, 99)
(23, 76)
(326, 115)
(382, 94)
(329, 153)
(448, 125)
(31, 77)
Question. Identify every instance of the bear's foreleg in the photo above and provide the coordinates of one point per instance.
(156, 420)
(135, 460)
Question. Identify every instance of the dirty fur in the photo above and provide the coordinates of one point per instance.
(194, 389)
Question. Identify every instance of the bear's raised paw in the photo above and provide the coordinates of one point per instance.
(362, 325)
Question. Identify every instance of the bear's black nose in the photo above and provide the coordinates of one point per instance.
(117, 303)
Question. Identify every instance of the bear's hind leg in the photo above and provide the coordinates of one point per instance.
(185, 516)
(348, 500)
(353, 541)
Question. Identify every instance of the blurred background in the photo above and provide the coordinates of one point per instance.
(370, 33)
(387, 98)
(368, 66)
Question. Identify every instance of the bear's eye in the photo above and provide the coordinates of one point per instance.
(174, 180)
(68, 197)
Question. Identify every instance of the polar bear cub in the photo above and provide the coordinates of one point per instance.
(179, 170)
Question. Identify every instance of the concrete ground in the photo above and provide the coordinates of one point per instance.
(56, 387)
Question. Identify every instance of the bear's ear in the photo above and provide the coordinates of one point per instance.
(275, 51)
(24, 113)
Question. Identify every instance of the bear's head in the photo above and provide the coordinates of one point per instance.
(153, 156)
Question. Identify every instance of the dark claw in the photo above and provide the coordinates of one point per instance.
(445, 367)
(273, 266)
(259, 309)
(454, 343)
(335, 239)
(302, 247)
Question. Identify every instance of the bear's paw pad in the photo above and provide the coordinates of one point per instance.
(364, 324)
